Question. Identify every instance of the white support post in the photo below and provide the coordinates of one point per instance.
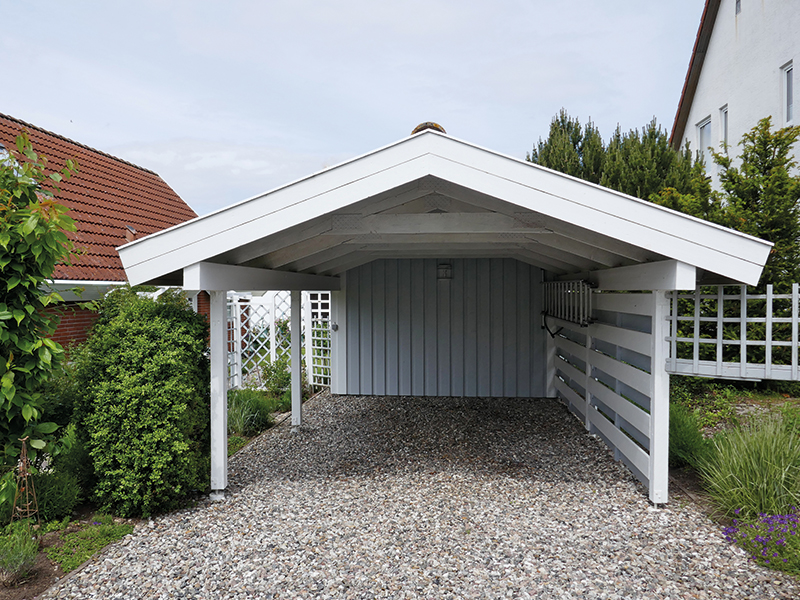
(339, 338)
(309, 337)
(659, 400)
(550, 371)
(297, 362)
(588, 395)
(219, 394)
(273, 335)
(236, 314)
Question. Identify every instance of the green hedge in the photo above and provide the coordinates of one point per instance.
(143, 405)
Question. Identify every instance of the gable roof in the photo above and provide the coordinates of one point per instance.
(693, 74)
(105, 197)
(435, 196)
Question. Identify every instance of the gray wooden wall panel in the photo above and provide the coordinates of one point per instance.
(477, 334)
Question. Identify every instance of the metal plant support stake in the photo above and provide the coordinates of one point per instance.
(25, 503)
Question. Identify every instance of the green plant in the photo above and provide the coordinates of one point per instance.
(57, 494)
(687, 446)
(754, 469)
(32, 242)
(712, 403)
(276, 376)
(18, 551)
(235, 443)
(249, 412)
(771, 540)
(143, 376)
(80, 545)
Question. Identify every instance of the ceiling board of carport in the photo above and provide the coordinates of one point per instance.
(432, 217)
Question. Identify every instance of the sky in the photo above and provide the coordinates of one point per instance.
(226, 100)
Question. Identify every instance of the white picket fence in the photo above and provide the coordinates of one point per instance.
(734, 335)
(609, 371)
(259, 331)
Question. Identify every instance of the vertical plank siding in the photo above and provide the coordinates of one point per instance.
(476, 334)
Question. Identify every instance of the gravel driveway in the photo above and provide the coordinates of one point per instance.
(428, 498)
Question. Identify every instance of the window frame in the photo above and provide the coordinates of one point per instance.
(787, 93)
(723, 127)
(704, 125)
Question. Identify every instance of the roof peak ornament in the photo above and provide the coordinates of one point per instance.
(428, 125)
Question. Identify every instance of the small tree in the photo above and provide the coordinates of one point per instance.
(762, 195)
(32, 242)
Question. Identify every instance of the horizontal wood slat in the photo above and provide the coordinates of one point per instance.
(634, 304)
(628, 447)
(623, 407)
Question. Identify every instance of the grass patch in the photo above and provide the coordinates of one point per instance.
(81, 545)
(249, 412)
(18, 551)
(235, 443)
(754, 470)
(687, 446)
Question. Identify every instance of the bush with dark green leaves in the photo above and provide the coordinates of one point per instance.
(143, 406)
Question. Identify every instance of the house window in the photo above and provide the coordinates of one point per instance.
(723, 126)
(738, 6)
(788, 92)
(704, 138)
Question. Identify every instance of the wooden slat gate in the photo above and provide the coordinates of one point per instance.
(610, 373)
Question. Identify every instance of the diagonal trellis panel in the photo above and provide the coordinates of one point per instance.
(259, 331)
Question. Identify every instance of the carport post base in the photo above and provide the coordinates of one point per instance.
(217, 495)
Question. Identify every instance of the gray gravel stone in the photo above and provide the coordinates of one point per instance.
(428, 498)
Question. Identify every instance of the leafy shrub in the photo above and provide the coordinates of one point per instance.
(249, 412)
(57, 494)
(754, 469)
(687, 446)
(771, 540)
(144, 396)
(80, 545)
(276, 376)
(18, 552)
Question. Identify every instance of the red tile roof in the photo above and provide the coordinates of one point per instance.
(105, 196)
(693, 74)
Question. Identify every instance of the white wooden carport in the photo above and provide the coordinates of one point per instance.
(423, 242)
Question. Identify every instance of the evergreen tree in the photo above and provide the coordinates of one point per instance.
(643, 164)
(570, 149)
(761, 197)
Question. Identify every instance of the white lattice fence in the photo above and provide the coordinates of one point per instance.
(605, 374)
(259, 330)
(727, 333)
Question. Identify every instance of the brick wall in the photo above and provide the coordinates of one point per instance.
(204, 304)
(74, 325)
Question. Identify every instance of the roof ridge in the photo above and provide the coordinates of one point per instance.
(71, 141)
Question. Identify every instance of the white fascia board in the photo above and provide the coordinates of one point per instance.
(89, 289)
(565, 198)
(662, 275)
(212, 276)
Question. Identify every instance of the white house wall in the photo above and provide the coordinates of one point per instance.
(743, 70)
(409, 333)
